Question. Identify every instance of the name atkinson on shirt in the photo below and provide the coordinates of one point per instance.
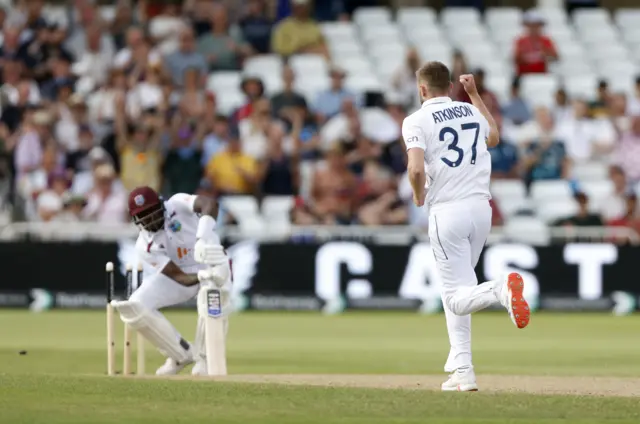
(451, 113)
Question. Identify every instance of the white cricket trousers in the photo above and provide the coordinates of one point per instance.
(457, 233)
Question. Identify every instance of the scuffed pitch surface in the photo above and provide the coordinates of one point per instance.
(542, 385)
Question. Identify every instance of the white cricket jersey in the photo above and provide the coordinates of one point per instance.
(175, 242)
(453, 136)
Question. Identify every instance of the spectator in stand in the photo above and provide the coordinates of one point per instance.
(12, 114)
(224, 47)
(60, 78)
(599, 108)
(256, 26)
(334, 189)
(618, 112)
(73, 206)
(106, 204)
(380, 203)
(404, 80)
(94, 62)
(78, 160)
(253, 130)
(546, 158)
(135, 40)
(615, 205)
(288, 99)
(90, 20)
(584, 218)
(517, 110)
(138, 146)
(562, 110)
(504, 160)
(534, 51)
(216, 138)
(633, 105)
(185, 57)
(278, 173)
(166, 26)
(627, 151)
(13, 77)
(50, 202)
(10, 49)
(630, 217)
(489, 98)
(585, 138)
(459, 68)
(181, 168)
(298, 33)
(232, 171)
(253, 89)
(329, 102)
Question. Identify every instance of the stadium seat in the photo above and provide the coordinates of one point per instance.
(511, 189)
(224, 81)
(380, 33)
(363, 83)
(553, 16)
(245, 211)
(627, 18)
(308, 65)
(263, 65)
(371, 16)
(503, 17)
(230, 100)
(597, 190)
(539, 88)
(276, 209)
(408, 17)
(591, 18)
(548, 190)
(582, 87)
(553, 210)
(590, 171)
(460, 17)
(355, 65)
(526, 229)
(345, 49)
(338, 30)
(510, 207)
(423, 35)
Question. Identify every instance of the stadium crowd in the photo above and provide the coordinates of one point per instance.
(93, 106)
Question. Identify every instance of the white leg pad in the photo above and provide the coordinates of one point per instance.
(155, 328)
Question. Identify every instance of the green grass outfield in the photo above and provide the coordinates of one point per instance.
(62, 378)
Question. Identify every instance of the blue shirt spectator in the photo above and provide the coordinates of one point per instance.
(256, 27)
(215, 141)
(516, 110)
(329, 102)
(185, 57)
(546, 160)
(504, 160)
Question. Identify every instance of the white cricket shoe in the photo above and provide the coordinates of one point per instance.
(510, 295)
(462, 380)
(200, 368)
(171, 367)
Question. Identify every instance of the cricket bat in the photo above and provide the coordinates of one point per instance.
(215, 343)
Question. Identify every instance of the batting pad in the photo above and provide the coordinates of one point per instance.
(154, 327)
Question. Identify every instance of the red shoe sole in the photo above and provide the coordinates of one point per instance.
(519, 306)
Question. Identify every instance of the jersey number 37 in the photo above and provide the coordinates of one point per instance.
(453, 146)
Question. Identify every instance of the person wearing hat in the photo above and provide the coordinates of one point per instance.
(106, 203)
(534, 51)
(298, 33)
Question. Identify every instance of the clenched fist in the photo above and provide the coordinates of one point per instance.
(469, 84)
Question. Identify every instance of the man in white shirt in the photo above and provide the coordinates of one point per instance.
(177, 238)
(446, 145)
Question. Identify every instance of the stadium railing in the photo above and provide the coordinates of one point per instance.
(398, 235)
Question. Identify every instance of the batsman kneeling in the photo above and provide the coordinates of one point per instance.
(178, 239)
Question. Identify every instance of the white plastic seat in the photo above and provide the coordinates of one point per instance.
(510, 207)
(263, 65)
(459, 17)
(627, 18)
(228, 101)
(536, 86)
(553, 16)
(421, 35)
(345, 49)
(276, 209)
(388, 52)
(596, 17)
(371, 16)
(363, 83)
(308, 64)
(500, 17)
(590, 171)
(597, 190)
(416, 16)
(551, 211)
(581, 87)
(224, 81)
(355, 65)
(542, 191)
(374, 35)
(502, 189)
(527, 229)
(442, 53)
(245, 211)
(338, 30)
